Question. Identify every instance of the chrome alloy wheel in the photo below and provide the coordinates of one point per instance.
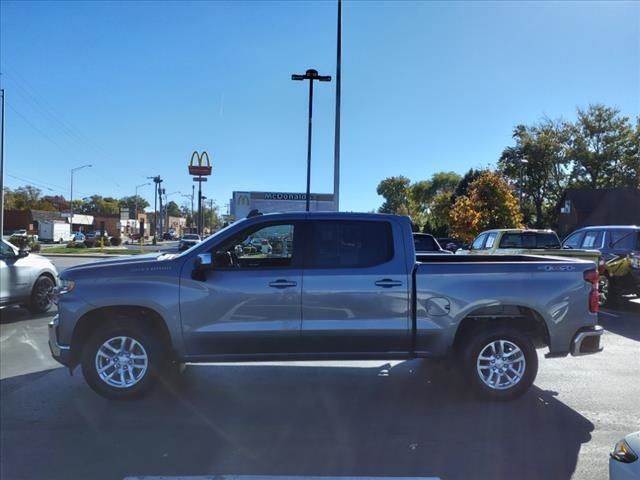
(121, 362)
(501, 364)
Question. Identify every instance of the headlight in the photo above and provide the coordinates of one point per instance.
(66, 286)
(622, 452)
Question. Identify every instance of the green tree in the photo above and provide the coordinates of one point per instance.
(173, 209)
(539, 159)
(394, 190)
(600, 142)
(489, 204)
(134, 203)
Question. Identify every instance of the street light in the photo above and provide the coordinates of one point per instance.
(310, 75)
(135, 200)
(71, 201)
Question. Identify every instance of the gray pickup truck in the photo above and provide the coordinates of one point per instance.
(333, 286)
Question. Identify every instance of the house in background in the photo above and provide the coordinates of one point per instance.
(583, 207)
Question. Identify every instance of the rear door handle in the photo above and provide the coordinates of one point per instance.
(388, 283)
(282, 284)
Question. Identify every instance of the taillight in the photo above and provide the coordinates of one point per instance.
(591, 276)
(602, 267)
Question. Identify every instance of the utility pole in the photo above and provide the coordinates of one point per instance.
(193, 194)
(161, 216)
(2, 168)
(310, 75)
(523, 161)
(336, 144)
(211, 200)
(157, 180)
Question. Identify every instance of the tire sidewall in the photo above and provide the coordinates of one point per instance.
(33, 305)
(475, 345)
(152, 347)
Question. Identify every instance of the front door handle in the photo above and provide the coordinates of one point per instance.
(388, 283)
(282, 284)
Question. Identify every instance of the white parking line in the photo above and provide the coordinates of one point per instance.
(609, 314)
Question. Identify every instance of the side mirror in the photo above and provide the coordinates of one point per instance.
(23, 252)
(204, 261)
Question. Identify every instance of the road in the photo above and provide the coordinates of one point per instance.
(324, 418)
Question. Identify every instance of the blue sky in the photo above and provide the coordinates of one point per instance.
(135, 87)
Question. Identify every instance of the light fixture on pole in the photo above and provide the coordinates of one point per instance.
(310, 75)
(71, 200)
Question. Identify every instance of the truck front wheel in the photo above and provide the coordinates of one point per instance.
(501, 362)
(122, 362)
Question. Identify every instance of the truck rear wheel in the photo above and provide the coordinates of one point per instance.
(501, 362)
(122, 362)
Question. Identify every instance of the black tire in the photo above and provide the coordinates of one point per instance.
(476, 343)
(156, 355)
(41, 299)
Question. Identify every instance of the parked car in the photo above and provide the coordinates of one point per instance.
(426, 244)
(620, 248)
(26, 279)
(623, 460)
(24, 233)
(79, 237)
(169, 236)
(188, 240)
(364, 296)
(94, 235)
(517, 241)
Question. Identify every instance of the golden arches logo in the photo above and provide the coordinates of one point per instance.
(200, 169)
(242, 200)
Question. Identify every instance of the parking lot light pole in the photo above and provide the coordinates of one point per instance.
(71, 199)
(310, 75)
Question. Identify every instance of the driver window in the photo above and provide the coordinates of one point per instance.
(267, 246)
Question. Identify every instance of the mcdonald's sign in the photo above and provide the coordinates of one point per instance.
(200, 169)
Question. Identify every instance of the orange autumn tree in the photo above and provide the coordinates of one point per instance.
(489, 203)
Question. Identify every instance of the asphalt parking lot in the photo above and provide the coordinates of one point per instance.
(326, 418)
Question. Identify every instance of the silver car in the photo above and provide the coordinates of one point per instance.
(26, 279)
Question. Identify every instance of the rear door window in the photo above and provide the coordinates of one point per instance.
(343, 244)
(623, 239)
(511, 240)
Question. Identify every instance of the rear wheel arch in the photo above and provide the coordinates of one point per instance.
(519, 317)
(142, 317)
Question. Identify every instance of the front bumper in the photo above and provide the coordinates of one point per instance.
(587, 341)
(60, 353)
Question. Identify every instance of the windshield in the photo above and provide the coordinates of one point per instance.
(191, 237)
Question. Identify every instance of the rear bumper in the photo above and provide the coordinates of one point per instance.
(587, 341)
(60, 353)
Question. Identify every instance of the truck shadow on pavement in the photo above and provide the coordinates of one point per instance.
(403, 420)
(622, 319)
